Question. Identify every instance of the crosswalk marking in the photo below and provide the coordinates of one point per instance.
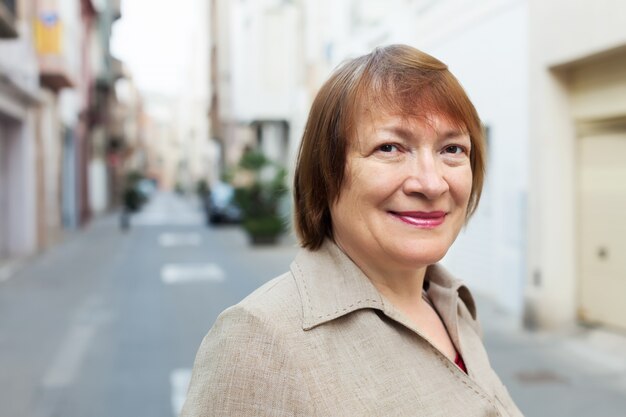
(9, 269)
(69, 357)
(183, 273)
(180, 239)
(164, 218)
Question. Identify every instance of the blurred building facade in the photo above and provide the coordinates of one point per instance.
(57, 28)
(59, 151)
(175, 146)
(200, 154)
(549, 83)
(547, 78)
(577, 236)
(102, 157)
(256, 73)
(19, 86)
(316, 36)
(165, 150)
(129, 122)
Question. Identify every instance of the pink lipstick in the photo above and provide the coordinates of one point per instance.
(421, 219)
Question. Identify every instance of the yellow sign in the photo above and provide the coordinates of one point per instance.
(48, 32)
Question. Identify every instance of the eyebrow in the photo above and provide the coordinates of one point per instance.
(407, 133)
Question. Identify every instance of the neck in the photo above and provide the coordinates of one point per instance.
(401, 285)
(402, 288)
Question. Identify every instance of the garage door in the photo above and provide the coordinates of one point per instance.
(602, 228)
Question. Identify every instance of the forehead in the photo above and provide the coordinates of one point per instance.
(409, 95)
(374, 117)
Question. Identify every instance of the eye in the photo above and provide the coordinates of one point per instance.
(388, 147)
(454, 149)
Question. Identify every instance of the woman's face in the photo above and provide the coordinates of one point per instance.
(405, 192)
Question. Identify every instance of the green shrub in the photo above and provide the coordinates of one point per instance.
(132, 198)
(264, 226)
(260, 200)
(202, 188)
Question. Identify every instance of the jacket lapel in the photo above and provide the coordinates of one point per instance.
(331, 285)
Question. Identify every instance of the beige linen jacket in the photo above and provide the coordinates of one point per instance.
(320, 340)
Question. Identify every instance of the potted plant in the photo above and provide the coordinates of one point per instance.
(258, 193)
(132, 197)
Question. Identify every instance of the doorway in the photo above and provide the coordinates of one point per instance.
(602, 226)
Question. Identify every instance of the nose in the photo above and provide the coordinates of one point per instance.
(425, 177)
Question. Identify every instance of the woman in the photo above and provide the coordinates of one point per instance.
(366, 323)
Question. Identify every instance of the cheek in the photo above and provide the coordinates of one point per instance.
(340, 210)
(347, 205)
(461, 186)
(355, 184)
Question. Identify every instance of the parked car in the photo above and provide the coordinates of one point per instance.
(147, 187)
(220, 205)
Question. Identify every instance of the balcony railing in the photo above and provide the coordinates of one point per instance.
(7, 19)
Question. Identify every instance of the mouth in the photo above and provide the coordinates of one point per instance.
(421, 219)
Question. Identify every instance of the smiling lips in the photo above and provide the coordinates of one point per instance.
(421, 219)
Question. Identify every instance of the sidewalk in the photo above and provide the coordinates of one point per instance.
(12, 265)
(573, 372)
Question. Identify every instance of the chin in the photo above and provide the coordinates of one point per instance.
(420, 258)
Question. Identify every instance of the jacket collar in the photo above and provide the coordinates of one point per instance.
(331, 286)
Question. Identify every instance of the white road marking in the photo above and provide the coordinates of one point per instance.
(181, 273)
(9, 269)
(180, 239)
(70, 356)
(71, 353)
(166, 218)
(179, 383)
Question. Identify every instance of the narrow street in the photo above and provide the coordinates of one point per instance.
(108, 323)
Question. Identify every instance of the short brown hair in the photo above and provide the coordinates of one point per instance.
(398, 79)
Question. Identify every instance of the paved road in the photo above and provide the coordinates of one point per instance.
(108, 323)
(574, 372)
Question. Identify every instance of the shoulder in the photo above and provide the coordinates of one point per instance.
(273, 311)
(244, 365)
(276, 303)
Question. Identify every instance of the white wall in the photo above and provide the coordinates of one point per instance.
(263, 60)
(225, 22)
(193, 108)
